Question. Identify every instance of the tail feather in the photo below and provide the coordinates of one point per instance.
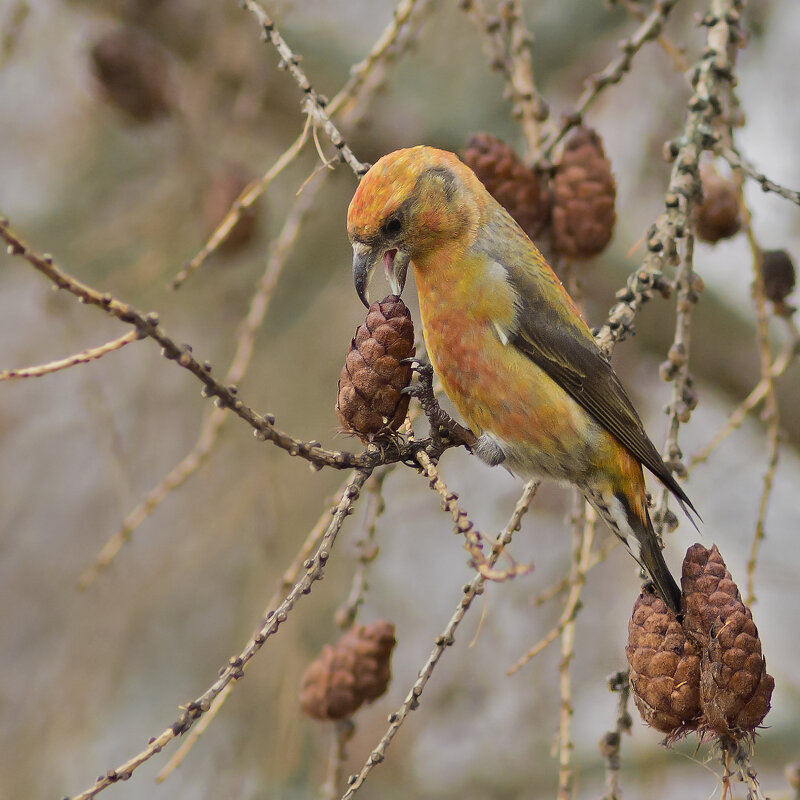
(641, 541)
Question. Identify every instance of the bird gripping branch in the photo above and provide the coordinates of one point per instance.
(508, 343)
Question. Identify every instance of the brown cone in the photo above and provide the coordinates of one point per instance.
(718, 214)
(735, 689)
(779, 279)
(584, 192)
(356, 670)
(132, 69)
(665, 668)
(520, 190)
(225, 186)
(369, 399)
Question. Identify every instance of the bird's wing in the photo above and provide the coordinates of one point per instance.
(549, 331)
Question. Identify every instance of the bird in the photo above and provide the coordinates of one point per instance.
(508, 343)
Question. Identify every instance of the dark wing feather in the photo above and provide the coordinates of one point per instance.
(568, 354)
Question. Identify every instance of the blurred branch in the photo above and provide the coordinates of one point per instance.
(771, 413)
(215, 418)
(711, 77)
(581, 561)
(507, 42)
(234, 670)
(444, 640)
(367, 551)
(245, 200)
(288, 579)
(583, 526)
(313, 104)
(70, 361)
(636, 8)
(649, 30)
(611, 743)
(787, 357)
(342, 732)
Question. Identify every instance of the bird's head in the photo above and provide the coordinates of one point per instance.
(410, 203)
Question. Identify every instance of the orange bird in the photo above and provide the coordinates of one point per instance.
(508, 343)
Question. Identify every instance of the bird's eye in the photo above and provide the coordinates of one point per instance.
(392, 225)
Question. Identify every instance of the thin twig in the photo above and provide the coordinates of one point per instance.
(70, 361)
(649, 30)
(444, 640)
(675, 53)
(731, 155)
(234, 670)
(462, 524)
(313, 104)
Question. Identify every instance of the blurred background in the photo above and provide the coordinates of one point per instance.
(122, 190)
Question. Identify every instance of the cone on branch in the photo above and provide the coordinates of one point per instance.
(519, 189)
(370, 400)
(708, 673)
(735, 688)
(355, 671)
(133, 71)
(718, 214)
(665, 668)
(584, 193)
(779, 280)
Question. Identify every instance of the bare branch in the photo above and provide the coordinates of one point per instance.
(732, 156)
(234, 670)
(445, 639)
(70, 361)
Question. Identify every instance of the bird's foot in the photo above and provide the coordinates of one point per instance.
(442, 425)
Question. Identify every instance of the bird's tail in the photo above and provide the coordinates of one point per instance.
(640, 538)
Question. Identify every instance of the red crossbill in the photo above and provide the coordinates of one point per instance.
(508, 343)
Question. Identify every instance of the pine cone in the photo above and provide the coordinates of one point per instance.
(354, 671)
(779, 279)
(584, 192)
(735, 689)
(220, 194)
(520, 190)
(718, 214)
(665, 668)
(132, 69)
(369, 400)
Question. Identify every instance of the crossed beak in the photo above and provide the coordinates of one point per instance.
(365, 260)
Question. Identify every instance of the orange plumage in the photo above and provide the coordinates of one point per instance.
(507, 341)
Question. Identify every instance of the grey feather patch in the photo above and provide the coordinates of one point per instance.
(489, 451)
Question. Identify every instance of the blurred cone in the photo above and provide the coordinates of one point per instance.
(356, 670)
(369, 399)
(584, 193)
(718, 214)
(779, 279)
(520, 190)
(132, 69)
